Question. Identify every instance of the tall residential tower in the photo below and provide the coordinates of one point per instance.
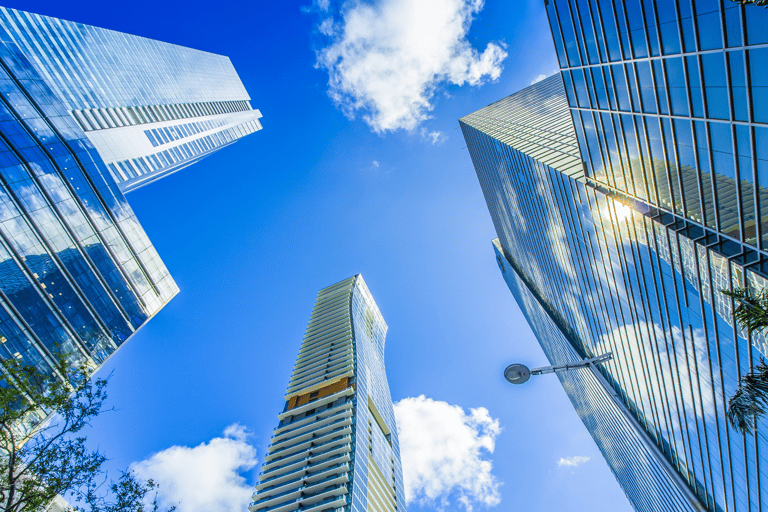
(627, 191)
(336, 445)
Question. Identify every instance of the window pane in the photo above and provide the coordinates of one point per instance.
(713, 67)
(758, 63)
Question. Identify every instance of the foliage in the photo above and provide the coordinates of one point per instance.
(751, 399)
(40, 460)
(752, 310)
(752, 2)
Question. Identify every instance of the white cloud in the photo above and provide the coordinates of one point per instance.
(442, 450)
(572, 462)
(435, 137)
(386, 59)
(205, 478)
(538, 79)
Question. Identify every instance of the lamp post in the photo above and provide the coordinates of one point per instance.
(519, 373)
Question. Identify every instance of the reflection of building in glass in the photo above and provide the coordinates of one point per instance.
(625, 193)
(149, 108)
(78, 275)
(336, 445)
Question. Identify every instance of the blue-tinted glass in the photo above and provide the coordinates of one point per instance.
(686, 21)
(744, 160)
(738, 85)
(708, 21)
(569, 36)
(757, 25)
(636, 27)
(632, 80)
(713, 68)
(647, 90)
(670, 37)
(597, 79)
(694, 88)
(678, 92)
(733, 25)
(620, 81)
(650, 22)
(661, 88)
(758, 64)
(623, 29)
(611, 32)
(589, 33)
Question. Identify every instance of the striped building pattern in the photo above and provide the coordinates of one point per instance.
(336, 446)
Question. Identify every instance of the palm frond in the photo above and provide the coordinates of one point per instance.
(752, 309)
(750, 400)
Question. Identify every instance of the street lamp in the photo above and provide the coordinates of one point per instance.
(519, 373)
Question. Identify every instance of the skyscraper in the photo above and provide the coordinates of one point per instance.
(78, 275)
(149, 108)
(625, 192)
(336, 445)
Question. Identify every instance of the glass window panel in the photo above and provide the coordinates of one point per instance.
(702, 149)
(695, 86)
(670, 37)
(589, 33)
(636, 27)
(661, 89)
(758, 64)
(676, 83)
(744, 160)
(650, 21)
(713, 67)
(566, 26)
(620, 81)
(580, 87)
(761, 149)
(725, 178)
(732, 24)
(686, 162)
(602, 96)
(757, 25)
(659, 163)
(647, 91)
(708, 21)
(686, 20)
(673, 176)
(632, 80)
(611, 32)
(738, 85)
(609, 82)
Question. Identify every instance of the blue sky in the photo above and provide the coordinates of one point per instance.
(253, 232)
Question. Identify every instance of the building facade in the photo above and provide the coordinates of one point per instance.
(336, 446)
(78, 275)
(149, 108)
(602, 243)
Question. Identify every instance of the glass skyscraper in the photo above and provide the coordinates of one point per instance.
(78, 275)
(149, 108)
(336, 447)
(627, 191)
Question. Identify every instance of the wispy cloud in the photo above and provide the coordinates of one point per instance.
(205, 478)
(444, 453)
(572, 462)
(386, 59)
(376, 163)
(434, 137)
(538, 79)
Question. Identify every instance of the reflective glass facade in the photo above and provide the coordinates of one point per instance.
(336, 446)
(78, 275)
(119, 87)
(597, 269)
